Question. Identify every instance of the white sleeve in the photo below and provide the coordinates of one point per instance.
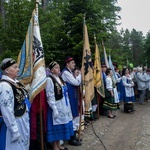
(109, 84)
(125, 82)
(51, 95)
(141, 77)
(132, 75)
(147, 77)
(7, 109)
(68, 77)
(117, 78)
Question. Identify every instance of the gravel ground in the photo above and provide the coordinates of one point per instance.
(128, 131)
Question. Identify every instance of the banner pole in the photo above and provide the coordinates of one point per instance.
(80, 92)
(41, 123)
(97, 104)
(41, 115)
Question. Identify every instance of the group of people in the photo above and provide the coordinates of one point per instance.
(141, 78)
(62, 93)
(62, 97)
(62, 100)
(125, 86)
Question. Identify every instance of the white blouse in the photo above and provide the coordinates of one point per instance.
(61, 108)
(69, 77)
(109, 83)
(18, 129)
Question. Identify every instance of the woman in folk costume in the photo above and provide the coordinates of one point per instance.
(59, 120)
(109, 102)
(14, 113)
(127, 88)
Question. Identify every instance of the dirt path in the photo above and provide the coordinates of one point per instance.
(128, 131)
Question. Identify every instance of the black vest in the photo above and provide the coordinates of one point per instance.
(19, 98)
(57, 88)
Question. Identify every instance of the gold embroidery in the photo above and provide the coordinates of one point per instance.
(19, 96)
(58, 88)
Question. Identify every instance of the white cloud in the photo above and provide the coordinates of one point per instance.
(135, 14)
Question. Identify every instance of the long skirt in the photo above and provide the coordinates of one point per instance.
(110, 104)
(127, 98)
(3, 129)
(5, 134)
(58, 132)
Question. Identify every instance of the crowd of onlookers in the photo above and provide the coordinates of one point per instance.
(133, 85)
(141, 78)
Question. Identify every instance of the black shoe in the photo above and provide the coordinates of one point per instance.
(74, 143)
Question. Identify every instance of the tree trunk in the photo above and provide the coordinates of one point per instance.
(44, 3)
(2, 10)
(2, 14)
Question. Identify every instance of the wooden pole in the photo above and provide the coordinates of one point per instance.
(41, 123)
(97, 105)
(96, 88)
(80, 92)
(41, 115)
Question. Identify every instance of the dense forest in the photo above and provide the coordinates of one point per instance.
(61, 27)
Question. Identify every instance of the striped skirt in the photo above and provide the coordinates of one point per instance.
(110, 104)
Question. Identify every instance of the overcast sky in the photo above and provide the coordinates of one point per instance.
(135, 14)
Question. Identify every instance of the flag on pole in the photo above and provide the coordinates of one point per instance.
(33, 74)
(31, 59)
(87, 71)
(25, 58)
(113, 70)
(105, 56)
(98, 81)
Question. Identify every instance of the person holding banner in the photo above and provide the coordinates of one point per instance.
(14, 112)
(103, 111)
(76, 73)
(59, 119)
(72, 82)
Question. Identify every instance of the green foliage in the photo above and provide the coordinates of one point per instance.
(14, 26)
(51, 33)
(125, 46)
(136, 39)
(61, 26)
(146, 54)
(100, 18)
